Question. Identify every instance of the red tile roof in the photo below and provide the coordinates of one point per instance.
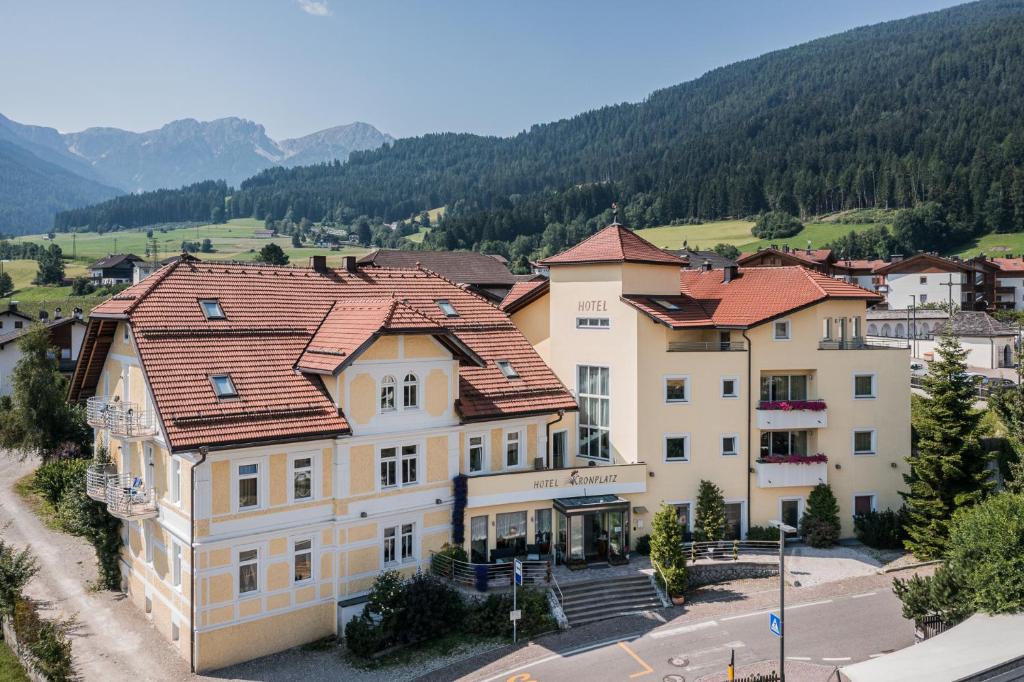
(275, 316)
(464, 267)
(810, 256)
(910, 263)
(522, 293)
(614, 244)
(755, 295)
(859, 264)
(1009, 264)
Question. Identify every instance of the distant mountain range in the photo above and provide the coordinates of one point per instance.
(43, 171)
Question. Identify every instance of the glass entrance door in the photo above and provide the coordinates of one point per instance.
(790, 511)
(559, 446)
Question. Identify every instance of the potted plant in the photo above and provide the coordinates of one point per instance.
(667, 553)
(677, 581)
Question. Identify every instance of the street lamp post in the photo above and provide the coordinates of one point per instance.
(783, 529)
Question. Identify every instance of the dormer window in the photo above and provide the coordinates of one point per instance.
(223, 386)
(507, 369)
(212, 310)
(665, 303)
(447, 308)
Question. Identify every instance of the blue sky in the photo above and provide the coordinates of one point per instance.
(407, 67)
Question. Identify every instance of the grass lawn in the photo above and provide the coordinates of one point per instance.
(10, 666)
(737, 233)
(995, 245)
(418, 237)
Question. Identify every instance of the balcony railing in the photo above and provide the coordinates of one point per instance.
(96, 477)
(485, 576)
(121, 418)
(705, 346)
(792, 414)
(128, 498)
(795, 472)
(860, 343)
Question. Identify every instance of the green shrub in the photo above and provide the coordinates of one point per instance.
(432, 608)
(776, 225)
(941, 594)
(985, 552)
(678, 580)
(438, 564)
(45, 641)
(819, 526)
(667, 550)
(709, 519)
(643, 545)
(16, 569)
(362, 637)
(490, 617)
(53, 479)
(880, 529)
(763, 533)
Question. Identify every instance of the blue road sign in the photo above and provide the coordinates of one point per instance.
(518, 567)
(775, 624)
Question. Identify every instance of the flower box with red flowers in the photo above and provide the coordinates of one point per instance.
(793, 459)
(790, 405)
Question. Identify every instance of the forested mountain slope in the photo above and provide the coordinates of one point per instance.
(928, 108)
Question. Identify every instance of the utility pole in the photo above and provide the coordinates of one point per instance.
(783, 529)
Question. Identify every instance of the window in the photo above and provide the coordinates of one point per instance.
(677, 448)
(147, 534)
(784, 387)
(410, 460)
(248, 485)
(302, 560)
(223, 386)
(730, 444)
(683, 517)
(125, 332)
(677, 389)
(175, 480)
(730, 387)
(399, 466)
(592, 323)
(922, 280)
(863, 504)
(780, 330)
(398, 544)
(410, 392)
(176, 564)
(387, 394)
(513, 456)
(447, 308)
(783, 443)
(863, 385)
(507, 369)
(478, 540)
(864, 442)
(388, 467)
(212, 309)
(510, 531)
(248, 571)
(476, 454)
(922, 298)
(18, 324)
(665, 303)
(302, 478)
(593, 418)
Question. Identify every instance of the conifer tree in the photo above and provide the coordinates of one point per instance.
(709, 519)
(819, 525)
(949, 469)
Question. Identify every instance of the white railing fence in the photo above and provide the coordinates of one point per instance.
(467, 574)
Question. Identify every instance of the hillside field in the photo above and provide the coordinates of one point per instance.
(737, 233)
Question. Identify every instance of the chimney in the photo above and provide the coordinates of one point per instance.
(318, 263)
(896, 258)
(13, 306)
(57, 314)
(78, 313)
(43, 316)
(729, 273)
(349, 262)
(706, 265)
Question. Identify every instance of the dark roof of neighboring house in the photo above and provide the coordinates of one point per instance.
(524, 292)
(17, 313)
(113, 260)
(978, 323)
(795, 256)
(947, 264)
(52, 324)
(695, 259)
(461, 267)
(900, 315)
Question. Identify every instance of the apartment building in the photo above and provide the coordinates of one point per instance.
(280, 435)
(759, 379)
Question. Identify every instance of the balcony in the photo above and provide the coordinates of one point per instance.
(547, 484)
(860, 343)
(96, 477)
(791, 472)
(123, 420)
(705, 346)
(792, 415)
(129, 499)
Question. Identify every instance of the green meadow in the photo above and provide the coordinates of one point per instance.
(737, 233)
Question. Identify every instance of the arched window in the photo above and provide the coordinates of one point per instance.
(410, 391)
(899, 330)
(885, 329)
(387, 394)
(872, 330)
(922, 330)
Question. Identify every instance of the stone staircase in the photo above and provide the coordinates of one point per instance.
(585, 602)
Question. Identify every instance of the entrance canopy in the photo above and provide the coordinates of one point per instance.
(590, 503)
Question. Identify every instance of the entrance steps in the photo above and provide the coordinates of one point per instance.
(585, 602)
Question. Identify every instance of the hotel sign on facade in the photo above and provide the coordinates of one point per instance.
(523, 486)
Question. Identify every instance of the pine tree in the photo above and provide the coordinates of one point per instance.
(819, 526)
(667, 549)
(709, 519)
(272, 254)
(6, 284)
(949, 468)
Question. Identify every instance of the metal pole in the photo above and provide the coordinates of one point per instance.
(514, 623)
(782, 604)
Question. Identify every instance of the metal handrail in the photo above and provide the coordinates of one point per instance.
(701, 346)
(125, 498)
(556, 586)
(465, 573)
(722, 548)
(122, 418)
(96, 477)
(861, 343)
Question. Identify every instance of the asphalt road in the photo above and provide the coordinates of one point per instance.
(836, 632)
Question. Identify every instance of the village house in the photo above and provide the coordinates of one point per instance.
(114, 269)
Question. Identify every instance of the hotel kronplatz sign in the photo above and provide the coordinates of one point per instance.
(575, 478)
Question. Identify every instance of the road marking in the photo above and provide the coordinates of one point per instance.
(866, 594)
(561, 654)
(798, 658)
(683, 629)
(524, 677)
(875, 655)
(788, 608)
(837, 659)
(646, 668)
(747, 615)
(658, 616)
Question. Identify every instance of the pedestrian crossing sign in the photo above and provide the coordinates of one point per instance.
(775, 624)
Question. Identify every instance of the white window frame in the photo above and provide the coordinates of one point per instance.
(238, 563)
(394, 386)
(403, 458)
(691, 505)
(596, 428)
(736, 386)
(295, 552)
(398, 529)
(520, 442)
(874, 385)
(484, 459)
(687, 449)
(721, 444)
(853, 502)
(801, 505)
(399, 459)
(237, 477)
(600, 323)
(415, 385)
(688, 388)
(174, 471)
(313, 478)
(176, 569)
(775, 330)
(874, 442)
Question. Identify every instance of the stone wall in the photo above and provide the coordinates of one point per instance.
(719, 572)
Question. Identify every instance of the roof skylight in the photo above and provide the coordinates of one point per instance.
(223, 386)
(447, 308)
(212, 310)
(507, 369)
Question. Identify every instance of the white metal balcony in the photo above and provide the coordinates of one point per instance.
(96, 477)
(787, 415)
(129, 499)
(123, 420)
(790, 474)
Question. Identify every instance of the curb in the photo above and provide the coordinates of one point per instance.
(883, 571)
